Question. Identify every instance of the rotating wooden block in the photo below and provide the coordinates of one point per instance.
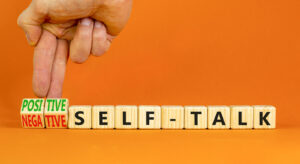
(241, 117)
(126, 117)
(264, 117)
(103, 117)
(195, 117)
(56, 113)
(172, 117)
(218, 117)
(149, 117)
(32, 113)
(80, 117)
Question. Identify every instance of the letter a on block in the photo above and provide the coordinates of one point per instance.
(149, 117)
(218, 117)
(80, 117)
(56, 113)
(264, 117)
(126, 117)
(32, 113)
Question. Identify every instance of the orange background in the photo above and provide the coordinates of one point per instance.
(193, 52)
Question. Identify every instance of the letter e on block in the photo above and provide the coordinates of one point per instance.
(264, 117)
(32, 113)
(103, 117)
(80, 117)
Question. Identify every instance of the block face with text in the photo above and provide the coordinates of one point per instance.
(264, 117)
(56, 113)
(218, 117)
(172, 117)
(103, 117)
(149, 117)
(195, 117)
(241, 117)
(32, 113)
(126, 117)
(80, 117)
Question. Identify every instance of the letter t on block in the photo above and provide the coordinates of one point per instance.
(195, 117)
(264, 117)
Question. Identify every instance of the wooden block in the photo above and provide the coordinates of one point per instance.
(149, 117)
(218, 117)
(56, 113)
(103, 117)
(126, 117)
(241, 117)
(32, 113)
(172, 117)
(80, 117)
(264, 117)
(195, 117)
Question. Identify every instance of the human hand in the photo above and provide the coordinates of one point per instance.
(89, 25)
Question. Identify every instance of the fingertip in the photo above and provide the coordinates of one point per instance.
(40, 86)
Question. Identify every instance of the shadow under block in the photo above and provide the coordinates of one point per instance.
(103, 117)
(241, 117)
(80, 117)
(195, 117)
(264, 117)
(218, 117)
(172, 117)
(56, 113)
(149, 117)
(126, 117)
(32, 113)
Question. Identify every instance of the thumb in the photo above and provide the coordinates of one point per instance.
(30, 21)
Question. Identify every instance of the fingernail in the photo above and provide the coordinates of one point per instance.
(98, 24)
(86, 22)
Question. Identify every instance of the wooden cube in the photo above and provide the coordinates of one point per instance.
(149, 117)
(172, 117)
(103, 117)
(195, 117)
(218, 117)
(32, 113)
(126, 117)
(56, 113)
(80, 117)
(264, 117)
(241, 117)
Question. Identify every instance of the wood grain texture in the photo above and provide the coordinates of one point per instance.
(149, 117)
(103, 117)
(80, 117)
(56, 113)
(126, 117)
(32, 113)
(264, 117)
(172, 117)
(195, 117)
(218, 117)
(241, 117)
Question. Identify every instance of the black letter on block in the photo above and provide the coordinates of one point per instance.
(79, 118)
(148, 118)
(240, 119)
(219, 114)
(124, 119)
(101, 118)
(263, 118)
(196, 117)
